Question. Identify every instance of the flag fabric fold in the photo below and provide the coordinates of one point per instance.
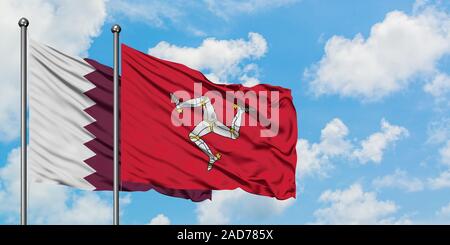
(177, 131)
(71, 124)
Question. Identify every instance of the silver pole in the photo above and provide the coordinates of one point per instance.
(23, 23)
(116, 30)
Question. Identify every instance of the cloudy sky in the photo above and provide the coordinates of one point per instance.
(370, 81)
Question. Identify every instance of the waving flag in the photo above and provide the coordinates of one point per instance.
(71, 124)
(181, 131)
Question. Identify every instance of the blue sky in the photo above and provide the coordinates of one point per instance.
(370, 81)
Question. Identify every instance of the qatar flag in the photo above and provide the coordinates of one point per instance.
(181, 131)
(71, 124)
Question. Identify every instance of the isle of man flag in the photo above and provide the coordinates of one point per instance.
(181, 131)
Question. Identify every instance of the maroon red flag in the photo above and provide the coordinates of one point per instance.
(102, 144)
(181, 131)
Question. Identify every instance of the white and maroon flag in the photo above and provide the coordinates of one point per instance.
(71, 124)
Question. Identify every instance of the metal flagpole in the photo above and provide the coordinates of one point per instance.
(116, 30)
(23, 23)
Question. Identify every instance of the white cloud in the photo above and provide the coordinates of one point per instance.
(178, 13)
(219, 68)
(399, 179)
(250, 74)
(9, 183)
(157, 12)
(66, 25)
(332, 138)
(49, 204)
(354, 206)
(444, 211)
(439, 134)
(310, 160)
(315, 158)
(229, 8)
(86, 208)
(154, 13)
(445, 153)
(160, 219)
(236, 205)
(249, 81)
(397, 49)
(373, 147)
(441, 181)
(439, 131)
(439, 86)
